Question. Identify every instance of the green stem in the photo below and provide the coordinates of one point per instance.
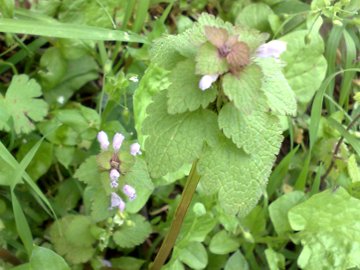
(186, 197)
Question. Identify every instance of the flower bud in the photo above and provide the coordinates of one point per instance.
(103, 140)
(135, 149)
(114, 184)
(117, 141)
(206, 81)
(130, 192)
(116, 201)
(271, 49)
(114, 175)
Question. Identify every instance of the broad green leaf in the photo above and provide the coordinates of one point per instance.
(53, 67)
(208, 60)
(22, 105)
(305, 65)
(67, 197)
(280, 96)
(237, 261)
(238, 178)
(275, 260)
(223, 243)
(252, 131)
(88, 172)
(184, 93)
(175, 140)
(44, 258)
(255, 16)
(72, 238)
(194, 255)
(244, 90)
(330, 238)
(132, 233)
(139, 178)
(279, 209)
(64, 154)
(154, 80)
(4, 115)
(195, 228)
(79, 72)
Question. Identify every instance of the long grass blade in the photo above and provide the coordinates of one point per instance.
(66, 30)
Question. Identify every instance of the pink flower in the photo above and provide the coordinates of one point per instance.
(130, 192)
(135, 149)
(114, 175)
(116, 201)
(271, 49)
(103, 140)
(117, 141)
(207, 80)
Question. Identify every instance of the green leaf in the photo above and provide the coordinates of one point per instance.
(330, 239)
(53, 67)
(223, 243)
(237, 261)
(184, 93)
(252, 131)
(353, 169)
(133, 234)
(305, 65)
(255, 16)
(208, 60)
(139, 178)
(88, 172)
(244, 90)
(175, 140)
(280, 96)
(127, 263)
(154, 80)
(21, 103)
(279, 209)
(65, 30)
(238, 178)
(194, 255)
(274, 259)
(195, 228)
(44, 258)
(72, 238)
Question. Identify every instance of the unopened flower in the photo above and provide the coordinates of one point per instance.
(130, 192)
(271, 49)
(207, 80)
(135, 149)
(117, 141)
(114, 184)
(114, 175)
(116, 201)
(103, 140)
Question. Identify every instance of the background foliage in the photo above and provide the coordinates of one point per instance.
(71, 68)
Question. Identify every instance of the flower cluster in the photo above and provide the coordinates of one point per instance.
(115, 173)
(220, 39)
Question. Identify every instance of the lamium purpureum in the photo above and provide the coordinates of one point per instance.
(229, 129)
(111, 160)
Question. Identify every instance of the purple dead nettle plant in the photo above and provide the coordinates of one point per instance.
(232, 50)
(115, 172)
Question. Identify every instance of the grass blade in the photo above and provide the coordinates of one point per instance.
(280, 172)
(22, 225)
(352, 140)
(66, 30)
(346, 82)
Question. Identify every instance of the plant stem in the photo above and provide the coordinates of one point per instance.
(186, 197)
